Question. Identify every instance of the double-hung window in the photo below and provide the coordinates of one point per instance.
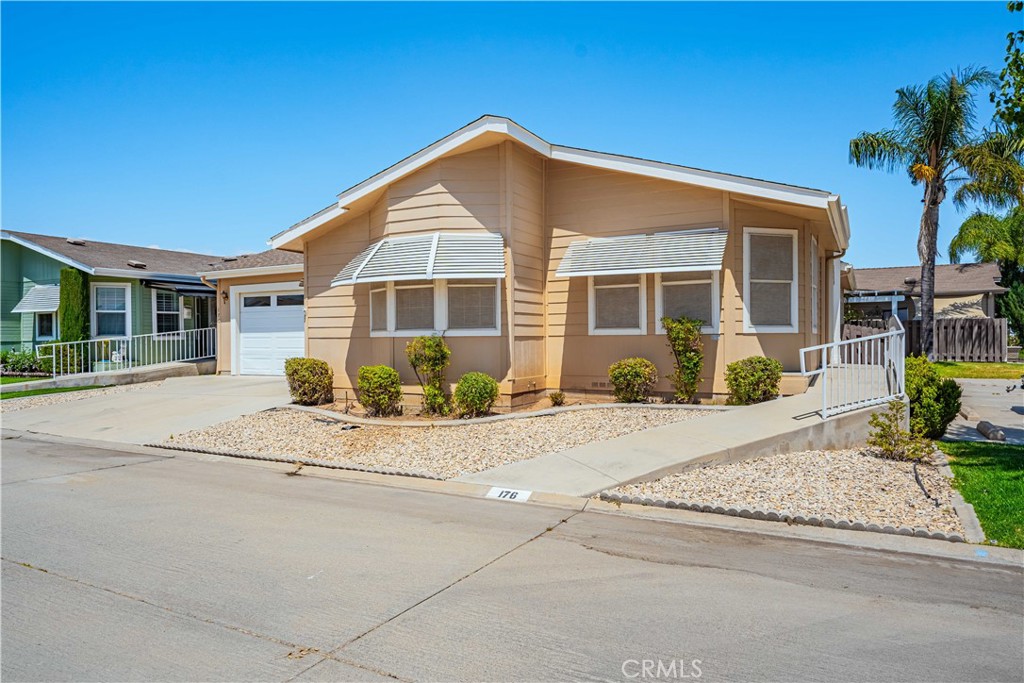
(688, 295)
(770, 293)
(414, 306)
(166, 311)
(110, 310)
(618, 304)
(453, 307)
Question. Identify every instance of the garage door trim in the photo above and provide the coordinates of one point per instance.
(237, 292)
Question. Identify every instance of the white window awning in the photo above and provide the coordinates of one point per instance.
(663, 252)
(427, 257)
(39, 299)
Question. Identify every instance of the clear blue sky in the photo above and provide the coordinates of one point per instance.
(210, 127)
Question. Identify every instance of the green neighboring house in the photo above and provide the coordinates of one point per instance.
(132, 290)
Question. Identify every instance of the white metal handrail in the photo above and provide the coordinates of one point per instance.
(858, 373)
(110, 354)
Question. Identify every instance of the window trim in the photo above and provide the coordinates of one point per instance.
(815, 276)
(93, 286)
(716, 301)
(794, 303)
(156, 314)
(592, 328)
(53, 327)
(440, 287)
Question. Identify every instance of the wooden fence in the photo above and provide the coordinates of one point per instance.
(980, 340)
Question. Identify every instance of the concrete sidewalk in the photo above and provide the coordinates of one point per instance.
(781, 426)
(154, 413)
(989, 400)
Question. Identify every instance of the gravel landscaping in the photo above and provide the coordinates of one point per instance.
(448, 452)
(850, 485)
(12, 404)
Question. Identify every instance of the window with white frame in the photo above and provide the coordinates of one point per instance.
(770, 280)
(689, 295)
(166, 311)
(815, 277)
(455, 307)
(110, 311)
(618, 304)
(46, 325)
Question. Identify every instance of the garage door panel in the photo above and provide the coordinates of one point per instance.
(270, 334)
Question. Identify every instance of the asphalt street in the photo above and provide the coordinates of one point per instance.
(140, 566)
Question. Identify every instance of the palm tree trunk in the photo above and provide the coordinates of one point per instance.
(927, 246)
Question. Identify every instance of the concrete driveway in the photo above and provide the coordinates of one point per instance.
(154, 413)
(989, 400)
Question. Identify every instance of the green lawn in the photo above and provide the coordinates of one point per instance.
(990, 476)
(980, 370)
(41, 392)
(15, 380)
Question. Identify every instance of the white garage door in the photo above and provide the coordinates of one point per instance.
(271, 328)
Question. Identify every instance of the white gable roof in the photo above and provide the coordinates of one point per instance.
(496, 124)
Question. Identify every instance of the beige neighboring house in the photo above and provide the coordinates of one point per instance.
(965, 290)
(261, 316)
(542, 265)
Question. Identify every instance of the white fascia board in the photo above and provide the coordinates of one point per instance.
(47, 252)
(303, 227)
(248, 272)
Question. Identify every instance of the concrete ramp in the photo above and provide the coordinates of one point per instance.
(781, 426)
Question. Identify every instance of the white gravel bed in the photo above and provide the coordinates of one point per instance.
(9, 405)
(444, 451)
(848, 484)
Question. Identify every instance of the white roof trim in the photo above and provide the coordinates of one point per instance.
(46, 252)
(39, 299)
(683, 251)
(247, 272)
(440, 255)
(655, 169)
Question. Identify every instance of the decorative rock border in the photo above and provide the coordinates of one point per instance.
(458, 422)
(306, 462)
(777, 516)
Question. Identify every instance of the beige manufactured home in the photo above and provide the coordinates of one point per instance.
(542, 265)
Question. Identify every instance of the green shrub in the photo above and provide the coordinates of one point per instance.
(934, 401)
(557, 398)
(891, 440)
(74, 305)
(688, 350)
(310, 381)
(475, 394)
(633, 379)
(429, 357)
(380, 390)
(753, 380)
(21, 362)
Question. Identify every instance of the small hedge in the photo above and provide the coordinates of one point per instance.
(753, 380)
(429, 357)
(310, 381)
(380, 390)
(633, 379)
(934, 401)
(475, 394)
(23, 363)
(684, 339)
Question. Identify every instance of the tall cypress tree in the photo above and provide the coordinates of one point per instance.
(74, 305)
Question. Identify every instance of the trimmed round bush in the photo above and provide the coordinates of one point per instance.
(633, 379)
(753, 380)
(934, 400)
(475, 394)
(380, 390)
(310, 381)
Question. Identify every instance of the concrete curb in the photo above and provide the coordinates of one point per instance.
(369, 421)
(762, 514)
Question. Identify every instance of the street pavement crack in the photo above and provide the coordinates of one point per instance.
(333, 653)
(95, 469)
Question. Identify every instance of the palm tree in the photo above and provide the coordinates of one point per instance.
(934, 141)
(999, 239)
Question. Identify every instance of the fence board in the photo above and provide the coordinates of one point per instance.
(980, 340)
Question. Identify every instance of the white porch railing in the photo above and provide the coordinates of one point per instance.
(858, 373)
(124, 353)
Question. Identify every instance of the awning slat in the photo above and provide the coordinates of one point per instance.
(664, 252)
(426, 257)
(39, 299)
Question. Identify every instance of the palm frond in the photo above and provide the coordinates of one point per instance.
(884, 149)
(993, 172)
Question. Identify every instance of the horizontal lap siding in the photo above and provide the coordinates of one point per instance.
(529, 261)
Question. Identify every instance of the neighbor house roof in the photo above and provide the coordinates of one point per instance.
(262, 263)
(107, 258)
(498, 125)
(952, 279)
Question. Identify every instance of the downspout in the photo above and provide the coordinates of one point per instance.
(836, 309)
